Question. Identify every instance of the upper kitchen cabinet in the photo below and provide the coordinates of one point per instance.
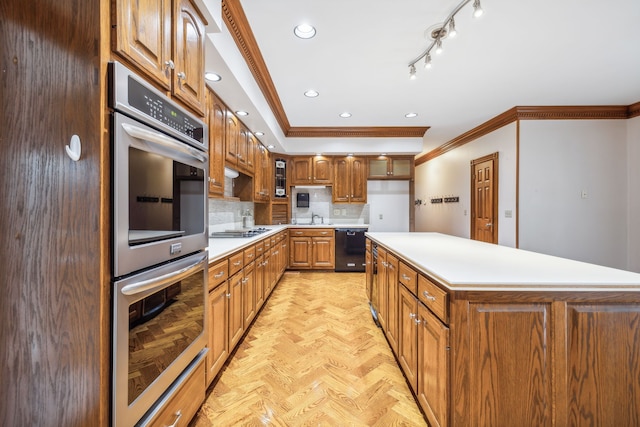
(383, 167)
(232, 134)
(311, 170)
(170, 52)
(240, 145)
(217, 122)
(350, 183)
(262, 176)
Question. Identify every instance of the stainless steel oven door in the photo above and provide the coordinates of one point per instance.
(158, 329)
(160, 196)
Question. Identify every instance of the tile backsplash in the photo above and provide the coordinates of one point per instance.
(320, 204)
(226, 214)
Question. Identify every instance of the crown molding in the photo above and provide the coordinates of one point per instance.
(357, 132)
(606, 112)
(236, 21)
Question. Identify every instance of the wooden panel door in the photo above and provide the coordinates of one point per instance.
(259, 280)
(300, 252)
(383, 292)
(249, 294)
(322, 170)
(408, 336)
(392, 302)
(188, 55)
(301, 170)
(341, 181)
(232, 130)
(251, 152)
(323, 252)
(241, 147)
(433, 370)
(510, 357)
(143, 36)
(603, 365)
(217, 124)
(218, 330)
(358, 180)
(236, 328)
(484, 199)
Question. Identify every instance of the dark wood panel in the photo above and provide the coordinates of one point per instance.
(52, 310)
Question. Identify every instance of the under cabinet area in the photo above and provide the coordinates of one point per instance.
(312, 248)
(478, 347)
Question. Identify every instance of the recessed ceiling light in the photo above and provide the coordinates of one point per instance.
(259, 134)
(304, 31)
(383, 154)
(411, 115)
(242, 113)
(311, 93)
(212, 77)
(345, 115)
(271, 146)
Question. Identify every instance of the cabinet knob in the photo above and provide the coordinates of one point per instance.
(169, 64)
(182, 76)
(417, 321)
(412, 315)
(229, 295)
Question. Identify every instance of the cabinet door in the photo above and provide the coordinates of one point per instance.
(236, 328)
(250, 152)
(433, 368)
(392, 302)
(259, 280)
(231, 140)
(266, 168)
(401, 168)
(378, 168)
(267, 273)
(323, 252)
(143, 36)
(188, 55)
(382, 288)
(368, 258)
(249, 295)
(322, 170)
(241, 147)
(408, 336)
(218, 330)
(341, 182)
(358, 180)
(216, 145)
(300, 252)
(301, 170)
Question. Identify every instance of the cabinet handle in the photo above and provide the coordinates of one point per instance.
(169, 64)
(428, 296)
(324, 232)
(229, 295)
(412, 315)
(219, 275)
(298, 232)
(182, 76)
(237, 263)
(405, 277)
(417, 321)
(245, 280)
(178, 416)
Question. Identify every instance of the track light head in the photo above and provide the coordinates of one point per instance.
(477, 9)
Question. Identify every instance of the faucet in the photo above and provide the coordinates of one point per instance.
(313, 218)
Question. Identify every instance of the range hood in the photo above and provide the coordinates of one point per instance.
(230, 173)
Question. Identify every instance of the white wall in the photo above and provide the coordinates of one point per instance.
(389, 205)
(450, 174)
(559, 159)
(633, 195)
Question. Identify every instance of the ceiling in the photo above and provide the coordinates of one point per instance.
(543, 53)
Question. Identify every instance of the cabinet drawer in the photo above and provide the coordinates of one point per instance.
(259, 248)
(236, 263)
(249, 255)
(434, 298)
(312, 232)
(218, 273)
(266, 243)
(408, 277)
(186, 401)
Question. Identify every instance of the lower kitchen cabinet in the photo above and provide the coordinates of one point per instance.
(236, 317)
(248, 295)
(433, 367)
(408, 336)
(312, 248)
(392, 302)
(218, 330)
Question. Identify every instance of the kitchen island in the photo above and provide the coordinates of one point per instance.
(494, 336)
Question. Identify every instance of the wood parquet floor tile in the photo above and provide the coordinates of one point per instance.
(313, 357)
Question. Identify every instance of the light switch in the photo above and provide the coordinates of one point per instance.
(380, 216)
(508, 214)
(584, 194)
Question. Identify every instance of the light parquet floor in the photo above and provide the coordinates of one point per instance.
(313, 357)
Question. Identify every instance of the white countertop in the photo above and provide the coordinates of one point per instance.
(465, 264)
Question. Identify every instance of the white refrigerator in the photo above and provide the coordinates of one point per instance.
(388, 205)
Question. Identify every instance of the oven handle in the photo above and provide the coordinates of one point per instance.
(159, 282)
(165, 141)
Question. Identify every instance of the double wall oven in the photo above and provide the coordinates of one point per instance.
(159, 228)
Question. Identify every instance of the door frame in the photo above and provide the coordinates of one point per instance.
(494, 191)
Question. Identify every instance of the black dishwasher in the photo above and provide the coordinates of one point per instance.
(350, 248)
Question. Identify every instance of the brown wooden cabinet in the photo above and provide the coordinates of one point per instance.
(312, 248)
(384, 167)
(262, 174)
(232, 134)
(218, 330)
(169, 51)
(408, 335)
(392, 302)
(236, 324)
(248, 294)
(382, 294)
(350, 180)
(311, 170)
(217, 126)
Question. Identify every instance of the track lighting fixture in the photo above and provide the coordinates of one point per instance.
(448, 28)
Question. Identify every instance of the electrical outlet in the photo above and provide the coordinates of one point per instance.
(584, 194)
(508, 214)
(344, 211)
(336, 212)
